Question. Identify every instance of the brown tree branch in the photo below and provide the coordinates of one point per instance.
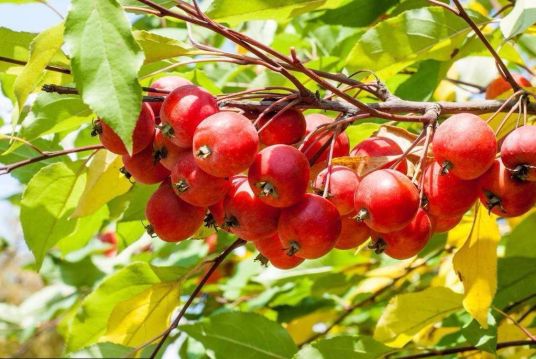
(500, 63)
(443, 352)
(215, 264)
(46, 155)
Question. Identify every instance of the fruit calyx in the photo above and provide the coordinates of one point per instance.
(262, 259)
(150, 231)
(203, 152)
(124, 171)
(267, 189)
(182, 186)
(446, 166)
(520, 172)
(293, 249)
(167, 130)
(96, 129)
(493, 201)
(230, 222)
(362, 215)
(378, 246)
(209, 221)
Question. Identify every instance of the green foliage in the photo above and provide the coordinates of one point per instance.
(102, 300)
(414, 35)
(105, 61)
(357, 347)
(51, 196)
(236, 334)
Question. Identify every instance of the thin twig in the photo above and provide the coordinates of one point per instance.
(215, 264)
(443, 352)
(46, 155)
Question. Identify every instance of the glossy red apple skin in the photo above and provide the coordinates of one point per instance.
(519, 149)
(271, 248)
(195, 186)
(342, 186)
(310, 228)
(279, 175)
(247, 216)
(389, 199)
(353, 233)
(467, 144)
(287, 128)
(143, 167)
(380, 147)
(225, 144)
(166, 83)
(408, 241)
(142, 136)
(184, 109)
(314, 144)
(504, 195)
(171, 218)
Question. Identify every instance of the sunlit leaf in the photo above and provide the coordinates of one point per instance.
(46, 205)
(519, 19)
(393, 44)
(137, 319)
(246, 335)
(104, 182)
(42, 50)
(407, 314)
(105, 61)
(476, 265)
(358, 347)
(234, 12)
(157, 47)
(91, 322)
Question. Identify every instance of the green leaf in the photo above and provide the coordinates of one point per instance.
(137, 319)
(522, 16)
(242, 335)
(137, 199)
(14, 45)
(53, 113)
(483, 339)
(520, 242)
(407, 314)
(358, 347)
(414, 35)
(105, 61)
(102, 350)
(92, 320)
(50, 197)
(22, 153)
(104, 182)
(81, 273)
(42, 50)
(235, 12)
(157, 47)
(360, 132)
(513, 279)
(86, 228)
(357, 13)
(421, 85)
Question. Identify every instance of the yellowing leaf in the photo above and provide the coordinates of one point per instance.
(301, 329)
(104, 182)
(476, 265)
(140, 318)
(458, 235)
(407, 314)
(42, 50)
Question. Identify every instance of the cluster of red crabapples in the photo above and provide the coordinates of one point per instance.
(251, 179)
